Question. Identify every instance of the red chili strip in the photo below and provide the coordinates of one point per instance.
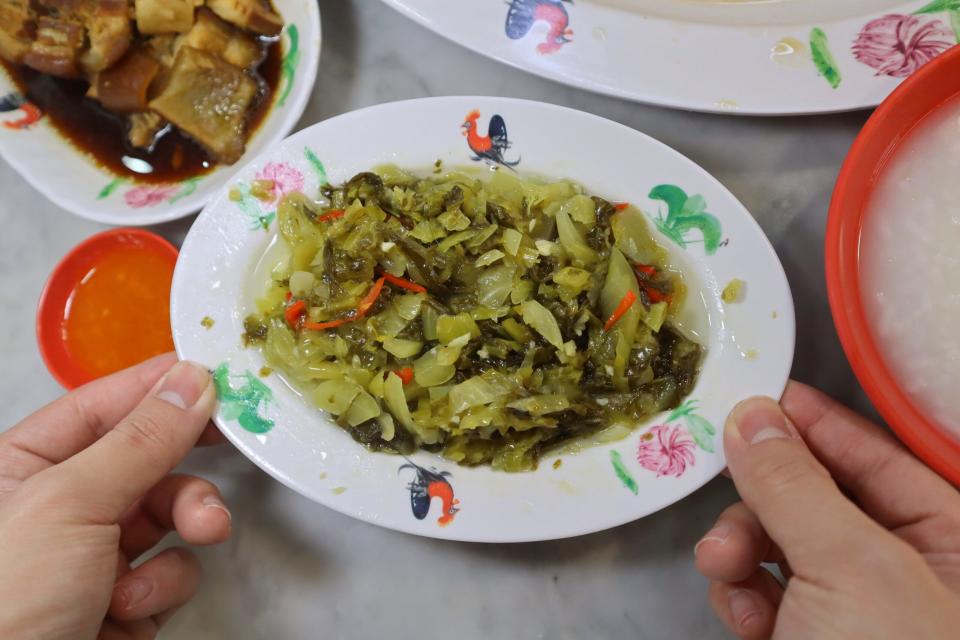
(371, 297)
(625, 303)
(356, 314)
(646, 269)
(331, 215)
(656, 296)
(403, 283)
(405, 374)
(330, 324)
(294, 313)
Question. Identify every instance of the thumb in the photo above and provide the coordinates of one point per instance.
(105, 479)
(791, 493)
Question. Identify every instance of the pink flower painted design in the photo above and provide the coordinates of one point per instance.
(285, 178)
(897, 45)
(150, 195)
(666, 450)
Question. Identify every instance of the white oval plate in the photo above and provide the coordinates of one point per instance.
(70, 179)
(750, 344)
(720, 56)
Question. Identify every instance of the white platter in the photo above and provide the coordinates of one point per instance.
(729, 56)
(749, 344)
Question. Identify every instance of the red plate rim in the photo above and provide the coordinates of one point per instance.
(891, 123)
(71, 268)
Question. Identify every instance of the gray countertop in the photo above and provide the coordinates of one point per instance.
(294, 569)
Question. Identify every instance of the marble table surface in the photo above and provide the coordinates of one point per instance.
(294, 569)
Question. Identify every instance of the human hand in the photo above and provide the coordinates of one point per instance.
(885, 564)
(85, 491)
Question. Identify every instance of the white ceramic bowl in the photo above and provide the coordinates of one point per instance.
(750, 344)
(69, 178)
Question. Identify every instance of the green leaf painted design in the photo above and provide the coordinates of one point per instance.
(243, 404)
(955, 23)
(108, 190)
(187, 188)
(698, 426)
(291, 60)
(317, 166)
(823, 59)
(250, 206)
(939, 5)
(702, 431)
(686, 214)
(623, 474)
(951, 7)
(685, 409)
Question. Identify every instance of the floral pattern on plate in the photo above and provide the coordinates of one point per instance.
(895, 44)
(898, 45)
(668, 449)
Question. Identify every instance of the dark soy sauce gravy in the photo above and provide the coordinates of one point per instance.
(103, 135)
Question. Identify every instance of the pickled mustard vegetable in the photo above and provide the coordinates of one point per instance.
(733, 292)
(485, 319)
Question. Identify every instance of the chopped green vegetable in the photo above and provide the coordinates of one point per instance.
(511, 241)
(573, 241)
(254, 330)
(429, 372)
(489, 257)
(733, 292)
(451, 327)
(396, 401)
(401, 348)
(490, 320)
(540, 405)
(363, 408)
(336, 396)
(472, 392)
(539, 318)
(301, 283)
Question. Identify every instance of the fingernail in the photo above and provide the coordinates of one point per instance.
(213, 502)
(183, 385)
(718, 534)
(133, 591)
(761, 420)
(743, 608)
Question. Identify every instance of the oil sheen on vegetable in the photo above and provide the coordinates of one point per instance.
(487, 319)
(118, 314)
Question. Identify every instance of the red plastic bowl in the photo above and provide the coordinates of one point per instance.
(931, 86)
(70, 270)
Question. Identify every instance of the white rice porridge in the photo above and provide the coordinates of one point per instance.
(910, 266)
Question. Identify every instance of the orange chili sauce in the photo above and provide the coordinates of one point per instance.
(118, 314)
